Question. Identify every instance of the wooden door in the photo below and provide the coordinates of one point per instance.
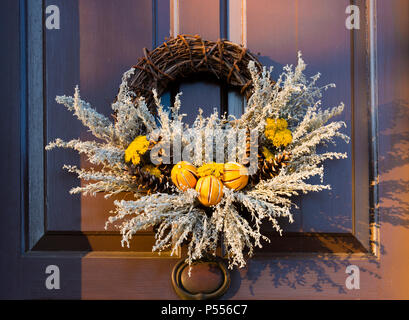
(361, 221)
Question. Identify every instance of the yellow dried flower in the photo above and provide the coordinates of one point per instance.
(267, 154)
(214, 169)
(137, 148)
(276, 131)
(151, 169)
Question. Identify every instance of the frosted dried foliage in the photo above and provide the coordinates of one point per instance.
(178, 216)
(108, 153)
(127, 126)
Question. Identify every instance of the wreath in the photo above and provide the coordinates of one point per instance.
(217, 180)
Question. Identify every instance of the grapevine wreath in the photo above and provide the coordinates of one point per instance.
(268, 154)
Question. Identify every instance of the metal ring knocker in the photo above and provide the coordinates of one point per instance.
(188, 288)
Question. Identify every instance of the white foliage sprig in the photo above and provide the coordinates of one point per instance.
(127, 124)
(100, 126)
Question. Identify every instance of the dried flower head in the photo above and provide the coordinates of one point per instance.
(211, 169)
(136, 149)
(151, 169)
(276, 131)
(267, 153)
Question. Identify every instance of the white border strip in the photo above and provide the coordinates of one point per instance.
(375, 237)
(237, 28)
(174, 18)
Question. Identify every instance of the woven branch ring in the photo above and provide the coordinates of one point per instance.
(187, 55)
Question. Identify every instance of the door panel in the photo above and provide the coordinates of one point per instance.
(102, 61)
(63, 211)
(330, 54)
(276, 42)
(198, 17)
(75, 56)
(202, 18)
(96, 65)
(277, 30)
(98, 40)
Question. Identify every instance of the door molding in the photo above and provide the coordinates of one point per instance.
(365, 234)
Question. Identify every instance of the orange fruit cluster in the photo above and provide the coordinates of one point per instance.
(210, 188)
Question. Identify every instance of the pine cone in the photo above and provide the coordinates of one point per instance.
(149, 183)
(270, 168)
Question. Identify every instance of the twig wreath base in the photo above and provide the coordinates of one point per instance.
(188, 55)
